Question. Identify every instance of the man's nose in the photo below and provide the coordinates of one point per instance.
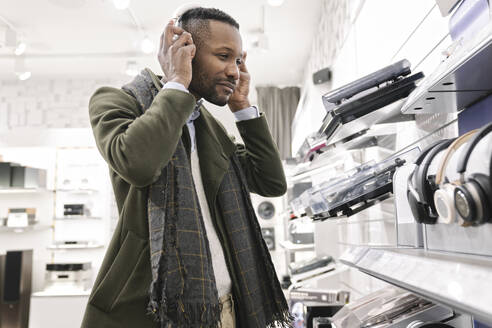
(232, 71)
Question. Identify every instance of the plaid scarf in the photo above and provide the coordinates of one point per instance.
(183, 291)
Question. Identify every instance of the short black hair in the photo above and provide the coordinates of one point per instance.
(207, 13)
(195, 21)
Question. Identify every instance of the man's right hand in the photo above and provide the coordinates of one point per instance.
(175, 56)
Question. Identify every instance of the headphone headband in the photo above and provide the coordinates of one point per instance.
(426, 150)
(465, 155)
(449, 152)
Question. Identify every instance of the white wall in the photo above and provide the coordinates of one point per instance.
(355, 38)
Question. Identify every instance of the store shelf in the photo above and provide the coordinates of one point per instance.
(36, 227)
(290, 246)
(459, 281)
(24, 190)
(77, 217)
(75, 246)
(459, 81)
(78, 191)
(50, 293)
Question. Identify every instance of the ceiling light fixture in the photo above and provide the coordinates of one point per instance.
(146, 45)
(275, 3)
(131, 68)
(24, 75)
(121, 4)
(20, 49)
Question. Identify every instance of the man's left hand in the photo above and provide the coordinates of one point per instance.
(239, 98)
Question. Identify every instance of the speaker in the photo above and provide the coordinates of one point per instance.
(16, 289)
(322, 76)
(269, 237)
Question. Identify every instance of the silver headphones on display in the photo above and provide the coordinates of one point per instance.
(473, 197)
(444, 196)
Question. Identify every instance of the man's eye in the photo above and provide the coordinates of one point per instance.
(223, 56)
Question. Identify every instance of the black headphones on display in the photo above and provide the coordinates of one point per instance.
(473, 196)
(419, 189)
(444, 196)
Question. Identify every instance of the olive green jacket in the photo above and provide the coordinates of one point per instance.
(137, 147)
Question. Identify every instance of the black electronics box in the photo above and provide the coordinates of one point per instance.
(322, 76)
(73, 209)
(28, 177)
(6, 174)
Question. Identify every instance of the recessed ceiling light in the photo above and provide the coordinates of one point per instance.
(20, 49)
(275, 3)
(121, 4)
(147, 46)
(24, 76)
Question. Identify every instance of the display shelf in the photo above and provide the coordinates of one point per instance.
(24, 190)
(290, 246)
(459, 81)
(74, 246)
(77, 217)
(455, 280)
(78, 191)
(49, 293)
(36, 227)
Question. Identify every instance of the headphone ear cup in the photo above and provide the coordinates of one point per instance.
(472, 200)
(444, 202)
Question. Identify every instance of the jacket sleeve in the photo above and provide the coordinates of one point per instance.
(260, 159)
(137, 147)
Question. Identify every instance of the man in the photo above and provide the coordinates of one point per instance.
(187, 251)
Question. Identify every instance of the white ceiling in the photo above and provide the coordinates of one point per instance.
(92, 38)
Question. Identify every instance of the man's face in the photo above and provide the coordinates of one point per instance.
(215, 66)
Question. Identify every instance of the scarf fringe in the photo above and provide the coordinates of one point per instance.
(180, 315)
(281, 319)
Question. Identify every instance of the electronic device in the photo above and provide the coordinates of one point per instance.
(314, 263)
(28, 177)
(444, 196)
(269, 237)
(21, 217)
(301, 231)
(74, 209)
(266, 210)
(473, 196)
(420, 192)
(322, 76)
(68, 276)
(366, 103)
(16, 267)
(6, 174)
(388, 73)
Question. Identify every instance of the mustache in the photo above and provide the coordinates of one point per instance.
(231, 83)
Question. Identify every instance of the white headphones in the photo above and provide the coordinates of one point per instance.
(182, 9)
(444, 196)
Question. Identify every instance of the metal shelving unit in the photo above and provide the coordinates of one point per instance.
(459, 281)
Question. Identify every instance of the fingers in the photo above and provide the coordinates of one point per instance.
(242, 66)
(183, 40)
(168, 34)
(190, 50)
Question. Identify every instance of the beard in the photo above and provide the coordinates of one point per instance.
(206, 87)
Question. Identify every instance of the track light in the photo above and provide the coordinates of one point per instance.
(121, 4)
(146, 45)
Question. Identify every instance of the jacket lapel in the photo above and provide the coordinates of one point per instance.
(214, 149)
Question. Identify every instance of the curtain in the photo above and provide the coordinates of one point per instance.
(279, 106)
